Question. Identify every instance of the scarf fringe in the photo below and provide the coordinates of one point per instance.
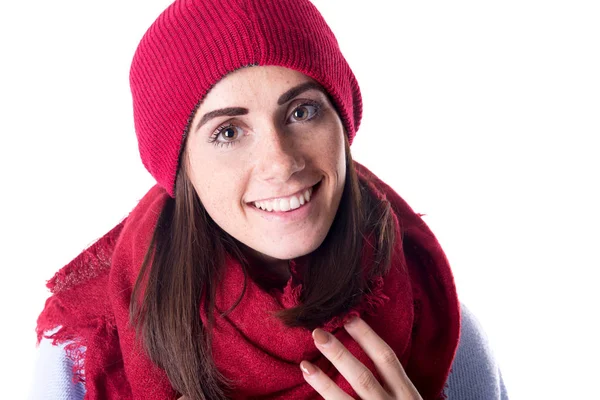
(89, 264)
(62, 322)
(91, 344)
(73, 346)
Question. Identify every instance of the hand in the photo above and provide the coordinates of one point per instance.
(396, 382)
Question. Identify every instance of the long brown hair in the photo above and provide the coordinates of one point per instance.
(185, 259)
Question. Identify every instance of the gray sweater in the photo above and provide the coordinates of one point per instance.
(475, 374)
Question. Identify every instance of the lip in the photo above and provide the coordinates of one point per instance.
(292, 215)
(284, 196)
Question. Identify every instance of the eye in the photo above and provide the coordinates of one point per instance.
(229, 133)
(226, 135)
(305, 112)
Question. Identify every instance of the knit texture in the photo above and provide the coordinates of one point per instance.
(474, 375)
(414, 309)
(194, 43)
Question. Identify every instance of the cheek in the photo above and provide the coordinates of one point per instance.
(216, 179)
(209, 184)
(332, 151)
(219, 192)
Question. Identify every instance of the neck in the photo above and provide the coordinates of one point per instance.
(267, 271)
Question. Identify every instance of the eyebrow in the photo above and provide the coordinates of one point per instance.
(230, 112)
(284, 98)
(296, 90)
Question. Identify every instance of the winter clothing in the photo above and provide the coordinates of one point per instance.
(191, 46)
(475, 375)
(414, 309)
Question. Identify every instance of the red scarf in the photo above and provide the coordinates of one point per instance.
(414, 309)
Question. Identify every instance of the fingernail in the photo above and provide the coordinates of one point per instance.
(320, 336)
(351, 321)
(307, 368)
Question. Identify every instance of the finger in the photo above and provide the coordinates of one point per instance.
(322, 383)
(386, 362)
(356, 373)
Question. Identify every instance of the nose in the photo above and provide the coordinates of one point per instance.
(279, 157)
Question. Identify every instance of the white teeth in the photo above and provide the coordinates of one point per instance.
(294, 202)
(307, 194)
(285, 204)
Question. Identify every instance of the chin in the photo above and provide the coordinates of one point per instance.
(282, 251)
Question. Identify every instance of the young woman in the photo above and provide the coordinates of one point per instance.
(265, 263)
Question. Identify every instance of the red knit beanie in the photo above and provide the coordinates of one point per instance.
(194, 43)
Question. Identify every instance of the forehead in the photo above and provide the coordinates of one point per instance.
(249, 83)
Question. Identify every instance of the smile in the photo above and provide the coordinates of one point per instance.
(285, 204)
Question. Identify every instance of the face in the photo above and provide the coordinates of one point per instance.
(265, 154)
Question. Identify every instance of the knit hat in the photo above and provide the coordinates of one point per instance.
(194, 43)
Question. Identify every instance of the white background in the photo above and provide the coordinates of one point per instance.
(482, 115)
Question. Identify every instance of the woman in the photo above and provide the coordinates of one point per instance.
(265, 262)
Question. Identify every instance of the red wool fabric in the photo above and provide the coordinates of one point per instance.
(414, 308)
(195, 43)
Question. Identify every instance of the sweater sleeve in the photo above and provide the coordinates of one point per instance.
(474, 375)
(53, 375)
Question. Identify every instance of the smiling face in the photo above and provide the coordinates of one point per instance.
(265, 154)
